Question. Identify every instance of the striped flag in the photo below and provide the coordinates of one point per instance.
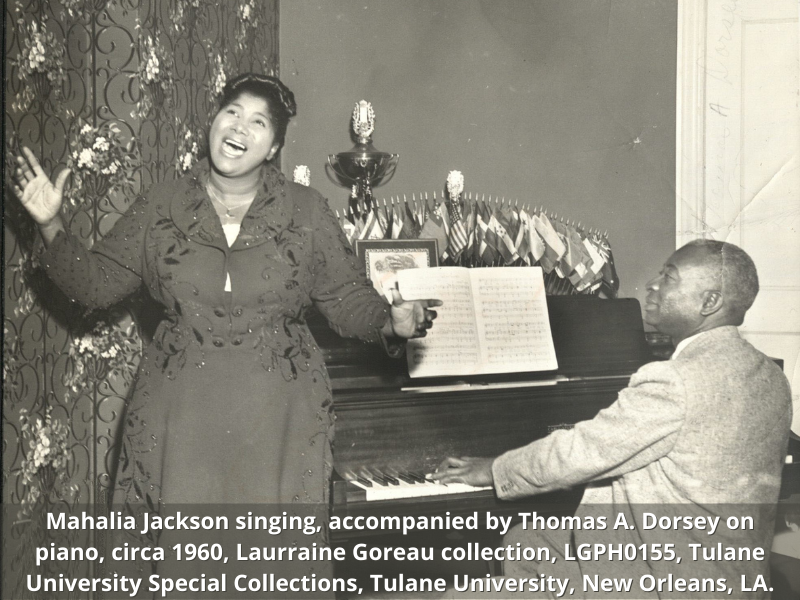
(458, 233)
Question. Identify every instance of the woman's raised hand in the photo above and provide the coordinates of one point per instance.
(34, 189)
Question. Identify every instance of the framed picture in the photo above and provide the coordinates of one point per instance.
(384, 258)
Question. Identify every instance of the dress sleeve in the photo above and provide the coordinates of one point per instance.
(340, 290)
(107, 273)
(638, 429)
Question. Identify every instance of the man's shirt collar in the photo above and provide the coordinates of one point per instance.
(685, 342)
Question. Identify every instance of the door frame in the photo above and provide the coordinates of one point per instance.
(690, 163)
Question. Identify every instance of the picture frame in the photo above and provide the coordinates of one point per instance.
(383, 258)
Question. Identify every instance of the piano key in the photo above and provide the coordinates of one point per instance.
(416, 490)
(391, 480)
(376, 478)
(401, 475)
(417, 477)
(406, 477)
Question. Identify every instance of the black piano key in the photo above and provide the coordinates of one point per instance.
(379, 478)
(391, 480)
(395, 475)
(416, 476)
(406, 477)
(364, 481)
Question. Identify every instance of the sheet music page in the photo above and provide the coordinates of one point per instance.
(513, 323)
(451, 346)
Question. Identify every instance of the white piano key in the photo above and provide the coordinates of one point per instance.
(415, 490)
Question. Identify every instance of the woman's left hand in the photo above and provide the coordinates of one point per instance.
(410, 319)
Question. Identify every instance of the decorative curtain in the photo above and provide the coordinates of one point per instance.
(121, 91)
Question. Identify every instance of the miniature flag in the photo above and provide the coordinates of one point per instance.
(347, 226)
(458, 233)
(597, 259)
(383, 219)
(490, 250)
(369, 225)
(521, 243)
(594, 272)
(397, 221)
(469, 219)
(535, 243)
(411, 228)
(610, 285)
(505, 245)
(434, 229)
(581, 258)
(358, 226)
(377, 231)
(554, 247)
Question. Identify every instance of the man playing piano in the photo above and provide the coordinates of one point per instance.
(708, 428)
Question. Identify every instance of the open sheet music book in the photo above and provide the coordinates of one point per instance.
(492, 321)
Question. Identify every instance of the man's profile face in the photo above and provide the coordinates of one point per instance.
(675, 297)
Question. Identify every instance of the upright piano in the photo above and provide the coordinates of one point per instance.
(392, 430)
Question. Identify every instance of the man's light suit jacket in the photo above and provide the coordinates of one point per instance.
(707, 429)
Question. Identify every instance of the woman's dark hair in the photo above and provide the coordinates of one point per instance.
(278, 97)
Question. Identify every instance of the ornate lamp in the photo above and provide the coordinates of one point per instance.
(362, 167)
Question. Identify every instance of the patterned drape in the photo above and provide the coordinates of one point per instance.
(122, 91)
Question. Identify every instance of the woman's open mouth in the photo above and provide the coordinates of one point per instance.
(233, 148)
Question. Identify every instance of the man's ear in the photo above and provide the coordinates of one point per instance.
(712, 302)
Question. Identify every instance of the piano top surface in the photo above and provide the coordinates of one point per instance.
(593, 338)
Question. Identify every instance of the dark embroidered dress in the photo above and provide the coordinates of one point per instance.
(232, 402)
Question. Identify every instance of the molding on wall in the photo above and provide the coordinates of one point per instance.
(690, 122)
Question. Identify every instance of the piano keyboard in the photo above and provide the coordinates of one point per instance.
(408, 485)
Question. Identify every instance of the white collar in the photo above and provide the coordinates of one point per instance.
(685, 342)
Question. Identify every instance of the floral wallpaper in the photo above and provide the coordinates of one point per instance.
(121, 92)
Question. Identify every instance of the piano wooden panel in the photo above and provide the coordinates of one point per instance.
(416, 430)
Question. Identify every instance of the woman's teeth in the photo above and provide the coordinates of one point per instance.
(234, 148)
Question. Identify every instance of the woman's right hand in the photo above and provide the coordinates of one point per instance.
(38, 195)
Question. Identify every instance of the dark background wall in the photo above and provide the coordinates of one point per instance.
(569, 104)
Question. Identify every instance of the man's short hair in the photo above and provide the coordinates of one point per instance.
(736, 272)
